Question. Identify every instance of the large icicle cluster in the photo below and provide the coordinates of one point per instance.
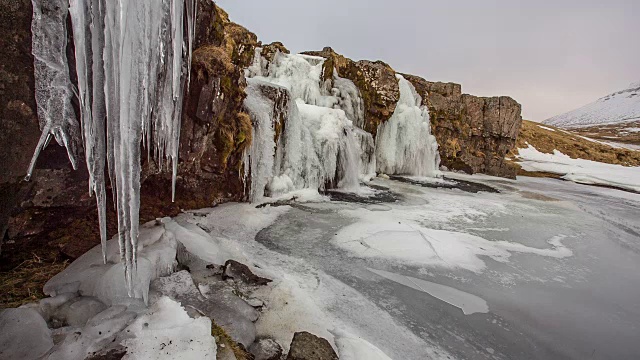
(317, 146)
(404, 144)
(132, 64)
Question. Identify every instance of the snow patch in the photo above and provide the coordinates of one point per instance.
(580, 170)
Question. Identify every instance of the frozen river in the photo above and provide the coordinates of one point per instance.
(544, 269)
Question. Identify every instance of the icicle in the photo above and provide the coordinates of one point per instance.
(52, 82)
(133, 64)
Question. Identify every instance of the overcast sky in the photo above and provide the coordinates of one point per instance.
(550, 55)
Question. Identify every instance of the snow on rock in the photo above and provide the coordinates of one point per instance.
(132, 62)
(580, 170)
(167, 332)
(618, 107)
(23, 334)
(404, 144)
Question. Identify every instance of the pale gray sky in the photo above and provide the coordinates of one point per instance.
(550, 55)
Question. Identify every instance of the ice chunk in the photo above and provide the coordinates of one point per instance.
(404, 144)
(91, 277)
(167, 332)
(24, 334)
(78, 311)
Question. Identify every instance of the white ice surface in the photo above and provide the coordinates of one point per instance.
(580, 170)
(391, 235)
(468, 303)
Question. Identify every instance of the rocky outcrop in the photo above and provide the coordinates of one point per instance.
(375, 79)
(474, 133)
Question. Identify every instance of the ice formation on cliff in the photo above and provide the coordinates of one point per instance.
(322, 141)
(132, 61)
(404, 144)
(317, 146)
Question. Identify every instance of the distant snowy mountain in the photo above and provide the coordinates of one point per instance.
(618, 107)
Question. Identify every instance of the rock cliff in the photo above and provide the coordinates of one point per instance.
(474, 133)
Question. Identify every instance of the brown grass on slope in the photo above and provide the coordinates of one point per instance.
(572, 145)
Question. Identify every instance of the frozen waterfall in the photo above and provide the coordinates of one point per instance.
(321, 141)
(133, 61)
(317, 147)
(404, 144)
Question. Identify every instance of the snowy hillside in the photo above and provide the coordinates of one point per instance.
(618, 107)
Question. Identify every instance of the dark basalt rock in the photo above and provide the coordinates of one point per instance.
(306, 346)
(238, 271)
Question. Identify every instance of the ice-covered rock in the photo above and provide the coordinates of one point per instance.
(219, 303)
(24, 334)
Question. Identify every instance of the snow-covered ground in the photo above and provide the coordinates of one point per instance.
(542, 269)
(580, 170)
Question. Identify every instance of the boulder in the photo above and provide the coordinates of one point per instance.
(266, 349)
(306, 346)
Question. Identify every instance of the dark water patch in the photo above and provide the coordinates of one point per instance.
(380, 196)
(448, 183)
